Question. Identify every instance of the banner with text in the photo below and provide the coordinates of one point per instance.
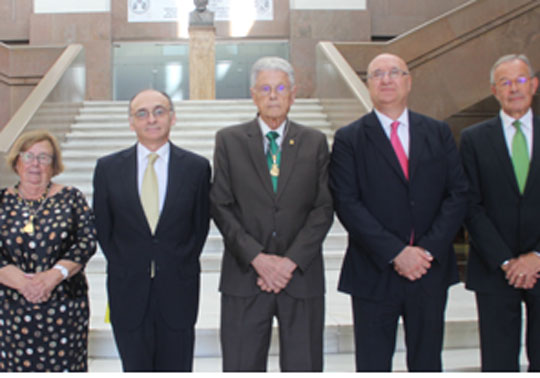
(178, 10)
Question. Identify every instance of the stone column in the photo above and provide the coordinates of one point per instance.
(202, 63)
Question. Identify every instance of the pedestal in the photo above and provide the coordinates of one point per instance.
(202, 63)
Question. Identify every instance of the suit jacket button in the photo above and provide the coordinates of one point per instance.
(274, 234)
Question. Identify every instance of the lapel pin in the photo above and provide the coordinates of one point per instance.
(291, 142)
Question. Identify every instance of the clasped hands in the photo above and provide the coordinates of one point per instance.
(522, 272)
(412, 262)
(274, 271)
(37, 287)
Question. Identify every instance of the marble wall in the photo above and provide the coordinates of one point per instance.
(303, 28)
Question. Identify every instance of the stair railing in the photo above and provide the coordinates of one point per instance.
(63, 83)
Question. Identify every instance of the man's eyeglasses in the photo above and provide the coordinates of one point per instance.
(158, 112)
(266, 90)
(393, 74)
(28, 158)
(507, 83)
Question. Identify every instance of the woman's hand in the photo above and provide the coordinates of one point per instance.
(39, 286)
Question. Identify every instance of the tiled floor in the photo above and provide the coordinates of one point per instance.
(460, 360)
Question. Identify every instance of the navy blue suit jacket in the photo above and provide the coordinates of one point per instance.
(129, 246)
(502, 223)
(379, 207)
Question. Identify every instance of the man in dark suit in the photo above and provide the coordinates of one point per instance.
(271, 202)
(151, 203)
(399, 190)
(501, 157)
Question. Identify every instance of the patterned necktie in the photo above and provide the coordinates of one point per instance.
(273, 158)
(398, 149)
(150, 193)
(520, 156)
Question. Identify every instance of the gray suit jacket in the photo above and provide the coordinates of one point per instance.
(252, 218)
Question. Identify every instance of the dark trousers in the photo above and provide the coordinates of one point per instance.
(246, 327)
(500, 318)
(375, 327)
(154, 346)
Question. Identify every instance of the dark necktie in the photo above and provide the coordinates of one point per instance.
(273, 158)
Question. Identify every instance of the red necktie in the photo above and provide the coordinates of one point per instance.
(398, 149)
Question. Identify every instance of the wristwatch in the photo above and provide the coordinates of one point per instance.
(63, 270)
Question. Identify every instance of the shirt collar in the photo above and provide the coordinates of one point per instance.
(163, 152)
(526, 120)
(265, 129)
(386, 121)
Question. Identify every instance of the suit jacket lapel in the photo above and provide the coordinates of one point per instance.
(534, 168)
(375, 133)
(130, 186)
(289, 150)
(173, 182)
(498, 144)
(258, 158)
(417, 141)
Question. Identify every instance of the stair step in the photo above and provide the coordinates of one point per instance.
(461, 328)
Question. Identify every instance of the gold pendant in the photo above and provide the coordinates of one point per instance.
(29, 226)
(274, 171)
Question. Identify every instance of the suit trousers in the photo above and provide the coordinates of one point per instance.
(375, 326)
(500, 318)
(154, 346)
(246, 327)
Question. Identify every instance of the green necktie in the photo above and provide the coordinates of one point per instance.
(150, 193)
(273, 157)
(520, 156)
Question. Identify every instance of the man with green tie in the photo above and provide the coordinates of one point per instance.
(271, 202)
(501, 158)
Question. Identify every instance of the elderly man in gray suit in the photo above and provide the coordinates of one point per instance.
(271, 202)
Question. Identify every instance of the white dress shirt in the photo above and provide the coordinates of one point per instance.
(402, 130)
(161, 166)
(265, 129)
(510, 130)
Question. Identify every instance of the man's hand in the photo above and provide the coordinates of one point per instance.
(274, 271)
(522, 272)
(412, 262)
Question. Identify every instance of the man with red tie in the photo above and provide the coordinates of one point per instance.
(400, 191)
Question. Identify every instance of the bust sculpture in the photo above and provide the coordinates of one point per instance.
(201, 15)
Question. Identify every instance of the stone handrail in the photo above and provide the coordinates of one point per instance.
(64, 82)
(343, 95)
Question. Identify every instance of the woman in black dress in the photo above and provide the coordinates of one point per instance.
(47, 236)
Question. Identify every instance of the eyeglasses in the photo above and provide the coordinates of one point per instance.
(266, 90)
(43, 159)
(158, 112)
(393, 74)
(507, 83)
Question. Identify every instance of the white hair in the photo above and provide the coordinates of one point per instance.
(271, 63)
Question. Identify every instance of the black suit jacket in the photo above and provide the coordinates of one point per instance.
(502, 223)
(252, 218)
(379, 207)
(129, 246)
